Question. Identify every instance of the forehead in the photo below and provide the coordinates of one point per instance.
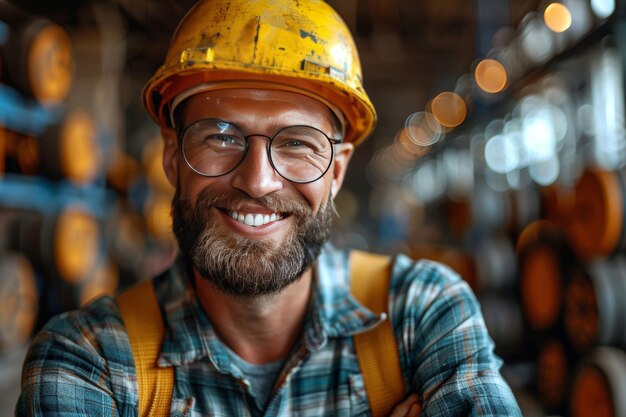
(256, 107)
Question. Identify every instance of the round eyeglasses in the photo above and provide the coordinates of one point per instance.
(214, 147)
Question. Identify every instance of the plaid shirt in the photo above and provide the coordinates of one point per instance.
(80, 364)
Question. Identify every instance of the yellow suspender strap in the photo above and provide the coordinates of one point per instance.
(376, 349)
(144, 324)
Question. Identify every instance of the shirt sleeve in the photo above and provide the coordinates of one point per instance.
(446, 352)
(65, 373)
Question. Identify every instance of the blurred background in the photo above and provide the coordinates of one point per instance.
(500, 150)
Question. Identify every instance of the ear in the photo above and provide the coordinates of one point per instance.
(170, 154)
(343, 153)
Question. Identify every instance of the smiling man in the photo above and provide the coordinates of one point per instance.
(260, 105)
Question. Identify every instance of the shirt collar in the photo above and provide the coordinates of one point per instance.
(189, 335)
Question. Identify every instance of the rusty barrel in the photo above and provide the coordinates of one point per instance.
(71, 149)
(63, 244)
(68, 150)
(18, 299)
(37, 56)
(599, 385)
(545, 261)
(597, 228)
(595, 305)
(555, 364)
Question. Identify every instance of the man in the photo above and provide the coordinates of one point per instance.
(260, 104)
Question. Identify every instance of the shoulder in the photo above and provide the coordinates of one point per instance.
(445, 350)
(99, 316)
(432, 307)
(425, 284)
(80, 354)
(405, 269)
(94, 330)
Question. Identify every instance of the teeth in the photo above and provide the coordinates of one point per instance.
(255, 219)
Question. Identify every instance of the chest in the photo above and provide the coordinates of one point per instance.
(326, 382)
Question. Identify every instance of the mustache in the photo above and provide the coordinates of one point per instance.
(236, 200)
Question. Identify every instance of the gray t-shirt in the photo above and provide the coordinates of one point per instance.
(261, 377)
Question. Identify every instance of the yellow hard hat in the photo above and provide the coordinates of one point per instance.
(294, 45)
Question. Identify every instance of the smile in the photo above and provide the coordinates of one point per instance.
(255, 220)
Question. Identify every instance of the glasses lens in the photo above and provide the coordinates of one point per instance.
(213, 147)
(301, 153)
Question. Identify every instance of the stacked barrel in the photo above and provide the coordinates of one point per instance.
(550, 272)
(80, 215)
(594, 306)
(36, 75)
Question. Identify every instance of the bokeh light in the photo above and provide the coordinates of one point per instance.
(501, 154)
(603, 8)
(545, 172)
(490, 76)
(412, 150)
(423, 128)
(557, 17)
(536, 39)
(449, 109)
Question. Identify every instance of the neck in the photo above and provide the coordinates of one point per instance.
(261, 329)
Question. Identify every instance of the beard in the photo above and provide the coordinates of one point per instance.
(243, 267)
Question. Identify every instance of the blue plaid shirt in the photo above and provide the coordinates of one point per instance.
(80, 363)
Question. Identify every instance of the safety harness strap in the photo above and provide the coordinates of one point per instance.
(144, 324)
(376, 349)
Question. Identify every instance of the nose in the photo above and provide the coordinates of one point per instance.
(255, 175)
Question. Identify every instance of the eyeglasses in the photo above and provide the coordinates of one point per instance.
(214, 147)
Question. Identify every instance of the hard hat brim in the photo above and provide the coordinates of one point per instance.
(356, 111)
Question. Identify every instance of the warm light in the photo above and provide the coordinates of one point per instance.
(80, 155)
(411, 149)
(391, 163)
(490, 76)
(423, 128)
(76, 244)
(557, 17)
(449, 109)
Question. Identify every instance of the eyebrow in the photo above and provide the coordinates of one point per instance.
(274, 128)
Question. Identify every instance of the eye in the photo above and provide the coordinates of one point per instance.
(222, 139)
(293, 143)
(298, 144)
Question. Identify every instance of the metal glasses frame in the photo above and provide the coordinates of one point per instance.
(183, 132)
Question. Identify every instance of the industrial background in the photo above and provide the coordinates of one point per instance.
(500, 150)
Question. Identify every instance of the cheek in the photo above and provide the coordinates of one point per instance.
(192, 184)
(316, 194)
